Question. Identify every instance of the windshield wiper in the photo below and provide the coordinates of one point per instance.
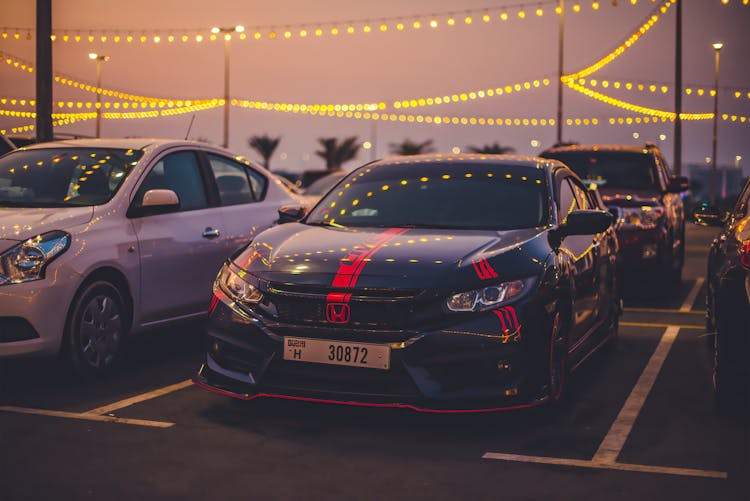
(325, 223)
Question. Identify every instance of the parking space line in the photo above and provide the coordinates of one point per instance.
(612, 444)
(647, 324)
(585, 463)
(690, 299)
(618, 433)
(86, 416)
(141, 398)
(661, 310)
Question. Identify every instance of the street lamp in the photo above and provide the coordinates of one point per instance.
(717, 49)
(227, 32)
(99, 60)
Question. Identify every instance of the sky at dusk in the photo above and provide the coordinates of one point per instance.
(393, 65)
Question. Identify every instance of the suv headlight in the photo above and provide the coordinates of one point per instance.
(237, 285)
(487, 297)
(26, 261)
(645, 217)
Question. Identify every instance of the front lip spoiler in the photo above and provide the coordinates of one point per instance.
(202, 382)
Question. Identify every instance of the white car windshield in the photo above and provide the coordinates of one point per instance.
(63, 177)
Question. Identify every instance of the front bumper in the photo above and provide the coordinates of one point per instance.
(642, 249)
(474, 365)
(42, 305)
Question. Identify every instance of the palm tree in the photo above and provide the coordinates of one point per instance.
(408, 147)
(264, 145)
(491, 149)
(335, 153)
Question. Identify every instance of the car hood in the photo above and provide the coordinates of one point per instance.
(393, 258)
(629, 198)
(22, 223)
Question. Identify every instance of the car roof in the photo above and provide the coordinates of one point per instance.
(626, 148)
(115, 143)
(470, 158)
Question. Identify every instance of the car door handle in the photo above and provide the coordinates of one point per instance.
(210, 233)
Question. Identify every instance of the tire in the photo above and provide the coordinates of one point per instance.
(96, 329)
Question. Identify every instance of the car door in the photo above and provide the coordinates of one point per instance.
(241, 193)
(181, 248)
(601, 272)
(581, 253)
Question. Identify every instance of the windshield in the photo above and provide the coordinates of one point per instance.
(437, 195)
(63, 177)
(611, 169)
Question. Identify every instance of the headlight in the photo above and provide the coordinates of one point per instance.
(26, 261)
(236, 284)
(486, 298)
(645, 217)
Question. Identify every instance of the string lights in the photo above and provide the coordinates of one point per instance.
(669, 115)
(650, 21)
(417, 22)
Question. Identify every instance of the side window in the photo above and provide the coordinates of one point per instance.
(258, 182)
(581, 195)
(232, 181)
(180, 173)
(567, 200)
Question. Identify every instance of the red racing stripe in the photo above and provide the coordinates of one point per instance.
(351, 265)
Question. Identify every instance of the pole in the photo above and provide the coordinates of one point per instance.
(561, 7)
(44, 71)
(98, 96)
(678, 92)
(225, 144)
(716, 126)
(374, 135)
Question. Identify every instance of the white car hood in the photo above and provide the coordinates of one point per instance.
(21, 223)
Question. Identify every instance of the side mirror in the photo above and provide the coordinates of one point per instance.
(587, 222)
(678, 184)
(160, 198)
(708, 215)
(291, 213)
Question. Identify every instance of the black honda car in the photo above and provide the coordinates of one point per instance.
(436, 283)
(728, 299)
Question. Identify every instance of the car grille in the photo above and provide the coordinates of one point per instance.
(369, 309)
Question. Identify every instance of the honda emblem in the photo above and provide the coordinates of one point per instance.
(337, 313)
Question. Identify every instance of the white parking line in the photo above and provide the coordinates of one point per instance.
(141, 398)
(585, 463)
(86, 416)
(690, 299)
(614, 441)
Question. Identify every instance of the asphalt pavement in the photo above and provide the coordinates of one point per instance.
(640, 424)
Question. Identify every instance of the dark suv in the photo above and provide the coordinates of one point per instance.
(637, 186)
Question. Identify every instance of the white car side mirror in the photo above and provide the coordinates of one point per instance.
(160, 198)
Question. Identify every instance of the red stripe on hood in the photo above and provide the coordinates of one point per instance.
(351, 265)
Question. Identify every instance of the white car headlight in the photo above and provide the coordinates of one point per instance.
(485, 298)
(26, 261)
(236, 284)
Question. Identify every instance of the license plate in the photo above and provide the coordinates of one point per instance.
(324, 351)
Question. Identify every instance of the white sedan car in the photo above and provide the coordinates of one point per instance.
(103, 237)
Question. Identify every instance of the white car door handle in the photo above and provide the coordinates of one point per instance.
(210, 233)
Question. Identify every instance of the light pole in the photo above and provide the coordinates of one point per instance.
(227, 32)
(561, 8)
(99, 60)
(717, 49)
